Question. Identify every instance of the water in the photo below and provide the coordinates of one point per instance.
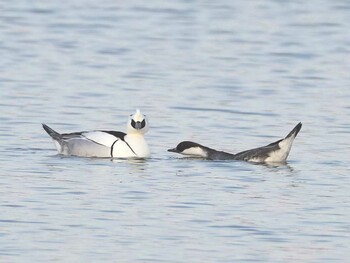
(231, 75)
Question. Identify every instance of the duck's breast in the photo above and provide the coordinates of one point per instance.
(136, 145)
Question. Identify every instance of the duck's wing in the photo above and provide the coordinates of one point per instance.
(105, 138)
(90, 144)
(259, 154)
(274, 152)
(85, 143)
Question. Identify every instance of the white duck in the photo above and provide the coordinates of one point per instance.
(112, 144)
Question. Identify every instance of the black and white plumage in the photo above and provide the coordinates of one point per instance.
(275, 152)
(101, 143)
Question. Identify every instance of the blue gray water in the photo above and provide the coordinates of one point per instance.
(228, 74)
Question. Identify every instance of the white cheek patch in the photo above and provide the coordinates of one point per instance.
(195, 151)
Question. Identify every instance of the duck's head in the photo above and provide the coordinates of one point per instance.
(137, 123)
(191, 149)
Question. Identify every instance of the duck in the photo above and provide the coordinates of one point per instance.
(105, 143)
(276, 152)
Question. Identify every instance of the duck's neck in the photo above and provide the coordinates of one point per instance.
(135, 135)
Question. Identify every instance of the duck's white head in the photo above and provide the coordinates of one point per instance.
(137, 123)
(191, 149)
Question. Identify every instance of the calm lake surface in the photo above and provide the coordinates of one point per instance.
(231, 75)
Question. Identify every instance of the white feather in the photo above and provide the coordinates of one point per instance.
(99, 143)
(100, 137)
(133, 146)
(195, 151)
(281, 154)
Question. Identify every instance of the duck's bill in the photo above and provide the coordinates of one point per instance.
(138, 125)
(172, 150)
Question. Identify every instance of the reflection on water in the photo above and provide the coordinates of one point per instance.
(232, 75)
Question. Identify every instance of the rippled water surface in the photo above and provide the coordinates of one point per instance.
(228, 74)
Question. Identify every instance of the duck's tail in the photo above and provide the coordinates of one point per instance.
(295, 131)
(54, 135)
(285, 146)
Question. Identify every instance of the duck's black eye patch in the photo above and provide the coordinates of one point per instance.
(133, 124)
(143, 124)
